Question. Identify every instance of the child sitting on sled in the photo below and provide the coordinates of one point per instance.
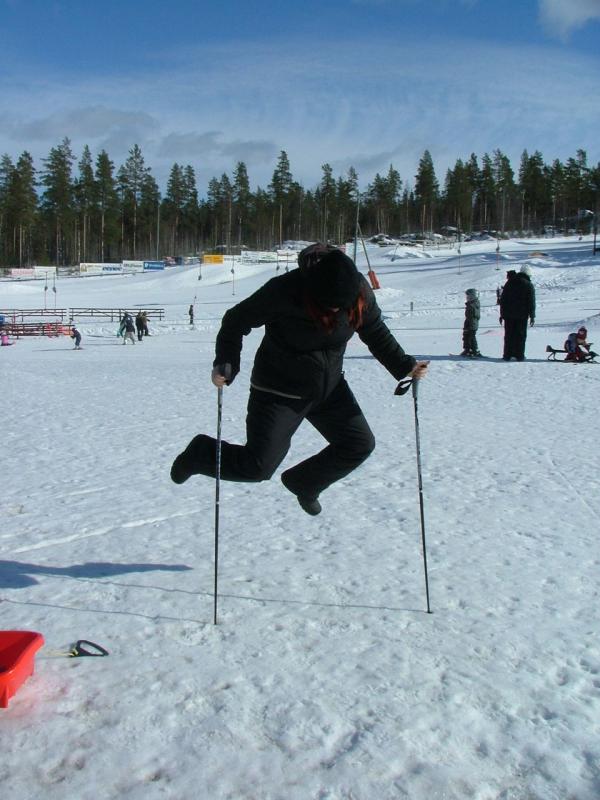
(577, 346)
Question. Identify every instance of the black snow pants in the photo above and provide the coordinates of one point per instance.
(515, 334)
(271, 422)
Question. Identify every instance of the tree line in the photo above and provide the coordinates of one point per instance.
(70, 211)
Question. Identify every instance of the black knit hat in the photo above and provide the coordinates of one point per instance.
(333, 281)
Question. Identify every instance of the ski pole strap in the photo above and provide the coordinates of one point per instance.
(403, 387)
(83, 648)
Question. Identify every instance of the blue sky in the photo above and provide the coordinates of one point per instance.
(349, 82)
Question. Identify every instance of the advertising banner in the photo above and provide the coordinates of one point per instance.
(149, 265)
(133, 266)
(212, 259)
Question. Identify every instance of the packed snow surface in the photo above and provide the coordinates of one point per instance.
(325, 677)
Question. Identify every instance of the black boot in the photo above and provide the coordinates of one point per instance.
(309, 503)
(198, 458)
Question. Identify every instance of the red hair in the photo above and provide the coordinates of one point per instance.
(326, 317)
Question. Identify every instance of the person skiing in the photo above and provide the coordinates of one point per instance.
(471, 324)
(517, 306)
(309, 315)
(191, 313)
(577, 346)
(76, 335)
(127, 328)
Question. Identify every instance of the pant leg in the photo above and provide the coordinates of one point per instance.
(271, 422)
(509, 338)
(341, 422)
(520, 338)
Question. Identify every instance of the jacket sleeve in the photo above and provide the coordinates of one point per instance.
(253, 312)
(531, 302)
(378, 338)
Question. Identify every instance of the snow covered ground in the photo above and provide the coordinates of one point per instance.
(324, 678)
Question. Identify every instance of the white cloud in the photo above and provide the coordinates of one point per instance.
(561, 17)
(355, 103)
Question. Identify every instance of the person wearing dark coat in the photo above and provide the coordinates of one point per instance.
(471, 325)
(517, 307)
(141, 325)
(127, 328)
(309, 315)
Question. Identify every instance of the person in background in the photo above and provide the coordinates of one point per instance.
(577, 346)
(141, 325)
(127, 329)
(76, 335)
(309, 315)
(471, 325)
(517, 306)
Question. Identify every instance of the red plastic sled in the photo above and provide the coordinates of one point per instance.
(17, 652)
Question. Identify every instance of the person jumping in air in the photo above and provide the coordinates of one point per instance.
(471, 325)
(309, 315)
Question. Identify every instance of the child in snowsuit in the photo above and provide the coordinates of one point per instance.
(76, 336)
(472, 314)
(577, 346)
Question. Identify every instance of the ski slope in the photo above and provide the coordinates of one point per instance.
(324, 678)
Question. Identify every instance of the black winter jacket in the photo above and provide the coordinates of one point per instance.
(517, 300)
(298, 357)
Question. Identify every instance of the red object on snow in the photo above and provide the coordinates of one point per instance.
(17, 652)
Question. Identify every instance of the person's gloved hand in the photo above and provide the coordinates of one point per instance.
(221, 375)
(532, 323)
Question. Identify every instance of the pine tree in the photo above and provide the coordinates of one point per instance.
(505, 187)
(426, 191)
(85, 196)
(58, 200)
(22, 209)
(148, 212)
(279, 190)
(242, 198)
(6, 176)
(106, 204)
(131, 179)
(174, 204)
(326, 195)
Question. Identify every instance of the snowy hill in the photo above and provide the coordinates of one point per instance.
(325, 678)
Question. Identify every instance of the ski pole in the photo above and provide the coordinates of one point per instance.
(217, 498)
(415, 392)
(402, 389)
(226, 372)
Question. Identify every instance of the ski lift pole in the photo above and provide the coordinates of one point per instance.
(364, 245)
(415, 392)
(356, 226)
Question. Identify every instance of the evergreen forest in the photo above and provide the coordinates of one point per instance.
(69, 210)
